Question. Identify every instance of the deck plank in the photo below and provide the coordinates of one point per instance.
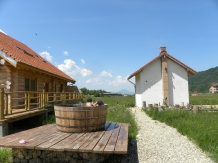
(76, 145)
(122, 140)
(22, 135)
(42, 138)
(99, 148)
(66, 142)
(91, 145)
(58, 136)
(32, 137)
(110, 147)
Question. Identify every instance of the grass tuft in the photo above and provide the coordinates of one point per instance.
(5, 155)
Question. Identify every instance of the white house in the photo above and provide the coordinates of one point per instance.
(164, 80)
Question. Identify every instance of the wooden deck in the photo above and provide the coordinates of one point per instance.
(113, 140)
(22, 114)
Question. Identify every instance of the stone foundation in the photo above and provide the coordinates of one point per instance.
(21, 155)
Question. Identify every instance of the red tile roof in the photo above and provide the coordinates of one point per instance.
(189, 70)
(24, 55)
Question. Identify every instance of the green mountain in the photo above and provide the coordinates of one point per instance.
(201, 82)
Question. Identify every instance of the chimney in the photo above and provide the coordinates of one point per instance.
(163, 49)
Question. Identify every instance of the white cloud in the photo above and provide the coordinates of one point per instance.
(46, 56)
(94, 81)
(82, 60)
(2, 31)
(70, 68)
(104, 73)
(119, 80)
(66, 53)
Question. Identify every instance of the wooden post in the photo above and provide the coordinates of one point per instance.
(43, 100)
(28, 101)
(11, 103)
(25, 100)
(6, 104)
(74, 95)
(54, 98)
(150, 106)
(195, 109)
(40, 100)
(2, 104)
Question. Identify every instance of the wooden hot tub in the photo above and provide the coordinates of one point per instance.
(80, 118)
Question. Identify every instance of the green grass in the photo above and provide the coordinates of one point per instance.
(201, 128)
(204, 100)
(5, 155)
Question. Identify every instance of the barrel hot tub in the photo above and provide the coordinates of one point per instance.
(76, 118)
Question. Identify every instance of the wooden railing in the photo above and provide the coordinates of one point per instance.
(23, 101)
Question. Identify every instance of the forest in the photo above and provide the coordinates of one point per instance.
(95, 93)
(202, 81)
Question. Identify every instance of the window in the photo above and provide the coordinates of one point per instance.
(46, 87)
(30, 85)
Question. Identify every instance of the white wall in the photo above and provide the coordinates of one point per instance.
(149, 85)
(178, 83)
(138, 91)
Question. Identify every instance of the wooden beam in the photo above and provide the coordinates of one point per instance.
(2, 104)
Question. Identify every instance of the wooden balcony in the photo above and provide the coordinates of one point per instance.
(24, 103)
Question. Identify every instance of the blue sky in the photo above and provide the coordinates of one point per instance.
(100, 43)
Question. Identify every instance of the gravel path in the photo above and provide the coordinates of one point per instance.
(159, 143)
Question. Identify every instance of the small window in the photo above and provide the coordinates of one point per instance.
(30, 85)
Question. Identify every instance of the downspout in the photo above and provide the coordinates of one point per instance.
(132, 83)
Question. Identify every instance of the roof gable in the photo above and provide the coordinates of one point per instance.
(22, 54)
(190, 71)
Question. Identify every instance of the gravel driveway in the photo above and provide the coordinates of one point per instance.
(159, 143)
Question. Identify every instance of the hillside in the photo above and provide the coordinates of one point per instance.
(124, 91)
(202, 81)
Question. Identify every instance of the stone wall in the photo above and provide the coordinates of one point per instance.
(21, 155)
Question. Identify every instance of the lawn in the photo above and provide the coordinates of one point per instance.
(204, 100)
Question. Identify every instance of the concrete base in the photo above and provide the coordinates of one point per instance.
(3, 129)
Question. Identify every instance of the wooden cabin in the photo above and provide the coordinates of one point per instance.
(25, 70)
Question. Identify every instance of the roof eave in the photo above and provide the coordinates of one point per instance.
(8, 59)
(47, 72)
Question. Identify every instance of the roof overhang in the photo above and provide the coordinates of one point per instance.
(190, 71)
(8, 59)
(24, 65)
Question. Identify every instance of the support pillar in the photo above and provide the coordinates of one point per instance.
(3, 129)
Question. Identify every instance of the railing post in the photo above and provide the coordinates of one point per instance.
(25, 100)
(6, 104)
(74, 96)
(43, 96)
(11, 103)
(2, 104)
(28, 101)
(54, 98)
